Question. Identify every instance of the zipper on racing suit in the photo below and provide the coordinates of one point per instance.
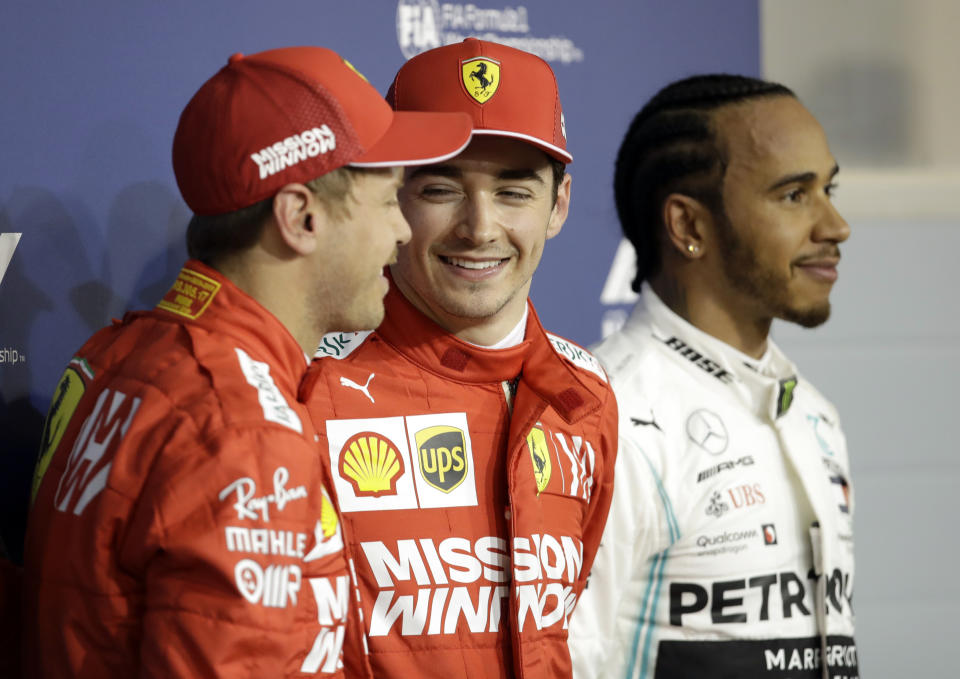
(820, 596)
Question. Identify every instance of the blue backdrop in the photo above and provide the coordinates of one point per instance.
(93, 91)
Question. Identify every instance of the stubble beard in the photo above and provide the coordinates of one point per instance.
(769, 289)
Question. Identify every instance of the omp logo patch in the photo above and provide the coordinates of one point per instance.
(372, 464)
(66, 397)
(442, 476)
(540, 456)
(440, 451)
(481, 78)
(190, 294)
(275, 408)
(8, 243)
(273, 586)
(92, 455)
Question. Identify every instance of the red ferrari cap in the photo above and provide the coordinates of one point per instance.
(506, 91)
(291, 115)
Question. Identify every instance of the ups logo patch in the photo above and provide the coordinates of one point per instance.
(441, 453)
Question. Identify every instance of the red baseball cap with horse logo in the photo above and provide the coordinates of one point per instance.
(505, 91)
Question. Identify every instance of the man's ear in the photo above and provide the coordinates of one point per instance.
(299, 216)
(561, 208)
(686, 219)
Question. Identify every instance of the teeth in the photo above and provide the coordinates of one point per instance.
(470, 264)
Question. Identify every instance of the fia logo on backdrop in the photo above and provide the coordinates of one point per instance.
(425, 24)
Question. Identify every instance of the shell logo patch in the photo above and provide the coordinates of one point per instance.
(540, 455)
(66, 397)
(371, 463)
(190, 295)
(441, 451)
(329, 521)
(481, 78)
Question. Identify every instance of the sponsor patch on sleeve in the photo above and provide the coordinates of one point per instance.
(66, 397)
(190, 294)
(579, 356)
(275, 406)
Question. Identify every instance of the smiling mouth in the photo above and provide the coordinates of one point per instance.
(822, 270)
(473, 264)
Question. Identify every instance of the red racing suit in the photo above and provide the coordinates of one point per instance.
(473, 484)
(181, 525)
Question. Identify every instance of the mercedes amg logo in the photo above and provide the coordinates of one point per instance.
(707, 430)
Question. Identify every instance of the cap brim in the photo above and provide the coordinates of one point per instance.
(550, 149)
(418, 138)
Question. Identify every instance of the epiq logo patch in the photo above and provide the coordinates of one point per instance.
(417, 461)
(481, 78)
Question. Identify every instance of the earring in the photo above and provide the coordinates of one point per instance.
(691, 248)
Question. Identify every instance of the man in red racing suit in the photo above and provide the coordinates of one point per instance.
(182, 523)
(472, 453)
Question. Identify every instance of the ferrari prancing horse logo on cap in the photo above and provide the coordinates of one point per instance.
(481, 78)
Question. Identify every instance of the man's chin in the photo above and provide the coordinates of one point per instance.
(810, 317)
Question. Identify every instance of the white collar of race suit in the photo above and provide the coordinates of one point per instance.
(763, 384)
(514, 337)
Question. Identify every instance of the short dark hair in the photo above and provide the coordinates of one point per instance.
(211, 238)
(559, 168)
(672, 147)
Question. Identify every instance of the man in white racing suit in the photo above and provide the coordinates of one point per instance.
(729, 546)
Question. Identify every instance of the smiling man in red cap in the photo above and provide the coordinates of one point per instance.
(472, 452)
(182, 523)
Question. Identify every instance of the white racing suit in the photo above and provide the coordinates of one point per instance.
(728, 551)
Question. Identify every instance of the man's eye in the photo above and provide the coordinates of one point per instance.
(436, 191)
(794, 196)
(831, 189)
(515, 195)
